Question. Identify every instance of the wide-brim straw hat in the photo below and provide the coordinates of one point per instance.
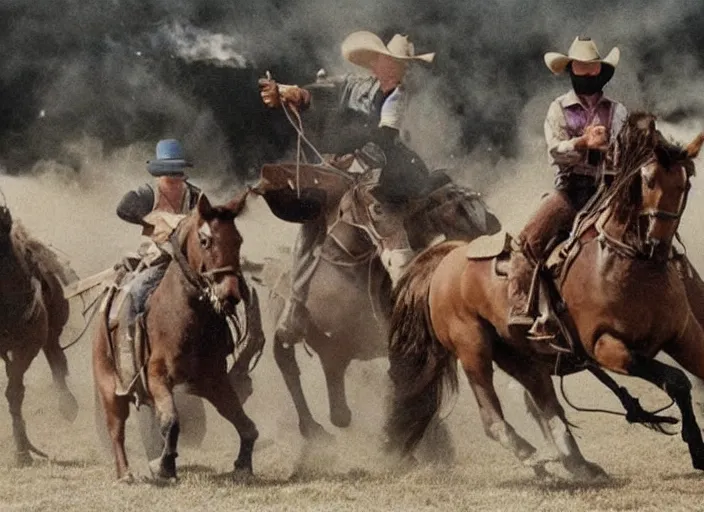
(583, 49)
(363, 47)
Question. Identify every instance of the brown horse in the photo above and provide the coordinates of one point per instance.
(187, 336)
(623, 302)
(367, 243)
(34, 312)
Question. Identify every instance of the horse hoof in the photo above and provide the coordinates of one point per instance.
(23, 459)
(243, 469)
(316, 432)
(68, 407)
(589, 472)
(163, 468)
(127, 479)
(341, 418)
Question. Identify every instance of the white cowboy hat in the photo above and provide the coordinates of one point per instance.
(583, 49)
(362, 48)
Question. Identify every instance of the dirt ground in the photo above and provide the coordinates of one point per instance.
(649, 471)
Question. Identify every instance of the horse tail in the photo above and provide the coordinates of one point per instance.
(420, 367)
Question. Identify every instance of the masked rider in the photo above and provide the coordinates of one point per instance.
(170, 193)
(579, 127)
(364, 109)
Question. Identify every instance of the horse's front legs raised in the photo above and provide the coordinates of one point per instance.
(164, 466)
(15, 368)
(613, 354)
(285, 356)
(217, 391)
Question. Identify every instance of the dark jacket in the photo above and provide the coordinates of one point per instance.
(136, 204)
(344, 115)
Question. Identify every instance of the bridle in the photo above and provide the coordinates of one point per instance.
(647, 248)
(202, 281)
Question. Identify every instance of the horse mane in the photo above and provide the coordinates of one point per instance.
(36, 255)
(637, 143)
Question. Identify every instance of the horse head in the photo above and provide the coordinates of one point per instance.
(211, 243)
(384, 224)
(654, 181)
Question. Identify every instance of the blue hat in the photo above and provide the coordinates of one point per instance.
(170, 159)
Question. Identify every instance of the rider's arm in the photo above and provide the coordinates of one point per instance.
(136, 204)
(562, 150)
(617, 121)
(359, 94)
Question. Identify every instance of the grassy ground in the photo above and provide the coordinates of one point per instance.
(648, 471)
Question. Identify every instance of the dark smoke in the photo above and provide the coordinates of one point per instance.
(126, 71)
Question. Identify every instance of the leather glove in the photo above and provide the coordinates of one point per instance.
(269, 92)
(273, 94)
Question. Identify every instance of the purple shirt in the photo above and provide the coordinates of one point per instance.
(567, 118)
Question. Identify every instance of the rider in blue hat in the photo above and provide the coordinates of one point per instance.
(171, 193)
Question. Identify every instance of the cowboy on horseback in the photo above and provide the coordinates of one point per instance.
(579, 127)
(366, 109)
(170, 193)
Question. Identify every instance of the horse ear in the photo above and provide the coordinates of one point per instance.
(695, 146)
(204, 207)
(238, 203)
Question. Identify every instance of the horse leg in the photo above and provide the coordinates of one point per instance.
(544, 406)
(285, 357)
(68, 405)
(116, 409)
(217, 391)
(611, 353)
(334, 369)
(15, 366)
(164, 466)
(475, 352)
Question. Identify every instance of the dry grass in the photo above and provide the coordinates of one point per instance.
(649, 471)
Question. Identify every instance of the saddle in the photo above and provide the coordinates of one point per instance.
(129, 355)
(544, 299)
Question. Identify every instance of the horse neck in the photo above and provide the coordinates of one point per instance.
(15, 277)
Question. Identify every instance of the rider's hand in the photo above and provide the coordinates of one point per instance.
(294, 96)
(595, 137)
(269, 91)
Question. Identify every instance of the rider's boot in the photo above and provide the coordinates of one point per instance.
(126, 363)
(520, 276)
(521, 319)
(291, 327)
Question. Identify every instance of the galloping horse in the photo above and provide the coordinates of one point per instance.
(622, 302)
(348, 300)
(187, 336)
(33, 313)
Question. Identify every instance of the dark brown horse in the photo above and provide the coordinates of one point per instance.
(367, 244)
(623, 303)
(187, 336)
(33, 312)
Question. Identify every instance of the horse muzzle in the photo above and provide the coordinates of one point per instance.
(228, 293)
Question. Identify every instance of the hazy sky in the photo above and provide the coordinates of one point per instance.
(126, 71)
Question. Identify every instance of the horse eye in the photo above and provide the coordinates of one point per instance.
(205, 242)
(377, 209)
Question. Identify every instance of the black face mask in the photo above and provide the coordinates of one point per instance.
(588, 85)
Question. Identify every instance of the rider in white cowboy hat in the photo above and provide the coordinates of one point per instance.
(170, 193)
(357, 109)
(579, 127)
